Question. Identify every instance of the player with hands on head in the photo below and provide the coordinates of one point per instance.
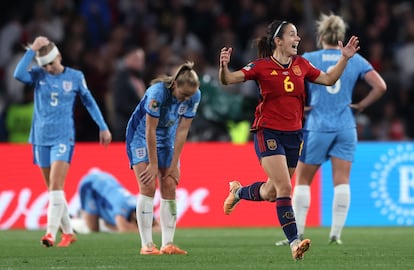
(155, 137)
(52, 132)
(277, 128)
(330, 129)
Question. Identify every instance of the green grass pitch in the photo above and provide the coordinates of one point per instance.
(390, 248)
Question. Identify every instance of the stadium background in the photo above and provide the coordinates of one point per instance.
(95, 35)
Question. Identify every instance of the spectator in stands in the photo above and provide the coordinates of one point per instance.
(127, 89)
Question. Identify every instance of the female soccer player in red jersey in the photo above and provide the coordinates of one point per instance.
(280, 74)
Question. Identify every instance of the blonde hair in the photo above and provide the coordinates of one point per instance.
(45, 49)
(185, 74)
(330, 29)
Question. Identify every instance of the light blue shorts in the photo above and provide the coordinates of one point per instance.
(318, 147)
(44, 156)
(139, 154)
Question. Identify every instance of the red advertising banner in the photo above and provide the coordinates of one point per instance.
(206, 169)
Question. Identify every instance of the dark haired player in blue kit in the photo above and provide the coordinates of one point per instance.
(155, 137)
(330, 128)
(280, 74)
(53, 131)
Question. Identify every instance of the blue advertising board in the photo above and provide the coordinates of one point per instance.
(382, 186)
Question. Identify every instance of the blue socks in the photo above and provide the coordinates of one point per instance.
(251, 193)
(284, 209)
(287, 218)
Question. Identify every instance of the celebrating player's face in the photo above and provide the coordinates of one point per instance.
(290, 41)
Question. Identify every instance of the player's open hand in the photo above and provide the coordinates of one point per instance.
(225, 55)
(173, 172)
(351, 47)
(149, 174)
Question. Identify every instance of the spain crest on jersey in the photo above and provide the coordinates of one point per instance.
(296, 70)
(67, 85)
(271, 144)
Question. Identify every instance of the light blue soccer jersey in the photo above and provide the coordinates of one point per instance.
(159, 102)
(102, 195)
(54, 98)
(330, 104)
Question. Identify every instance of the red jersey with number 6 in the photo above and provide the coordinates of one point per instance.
(282, 91)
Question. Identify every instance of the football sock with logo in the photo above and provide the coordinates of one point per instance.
(301, 202)
(251, 193)
(340, 207)
(287, 218)
(145, 215)
(168, 220)
(54, 211)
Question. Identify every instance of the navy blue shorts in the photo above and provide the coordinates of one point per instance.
(268, 142)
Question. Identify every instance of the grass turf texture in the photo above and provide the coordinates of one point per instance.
(389, 248)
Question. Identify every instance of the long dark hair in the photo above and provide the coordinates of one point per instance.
(266, 44)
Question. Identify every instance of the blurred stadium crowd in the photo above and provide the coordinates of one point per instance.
(120, 45)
